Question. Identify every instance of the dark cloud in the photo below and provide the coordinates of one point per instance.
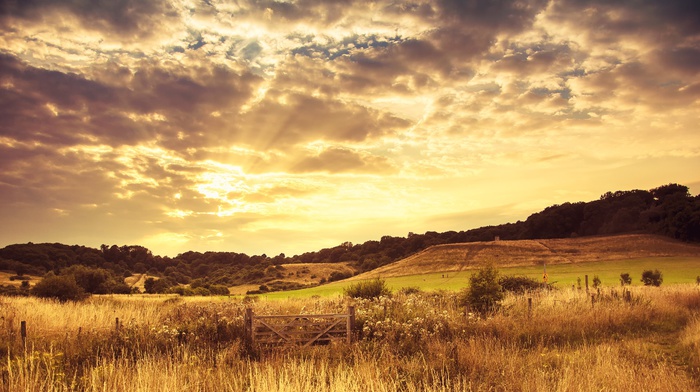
(655, 21)
(492, 15)
(185, 97)
(685, 60)
(42, 176)
(127, 18)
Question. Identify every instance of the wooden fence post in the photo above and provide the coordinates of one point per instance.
(586, 283)
(248, 321)
(529, 307)
(116, 325)
(23, 333)
(351, 323)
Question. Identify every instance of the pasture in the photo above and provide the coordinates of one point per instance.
(676, 270)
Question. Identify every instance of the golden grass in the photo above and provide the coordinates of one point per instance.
(416, 342)
(5, 279)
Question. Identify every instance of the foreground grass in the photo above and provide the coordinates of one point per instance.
(417, 342)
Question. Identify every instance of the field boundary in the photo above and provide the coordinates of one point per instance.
(299, 329)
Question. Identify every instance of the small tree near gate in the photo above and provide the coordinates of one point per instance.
(484, 293)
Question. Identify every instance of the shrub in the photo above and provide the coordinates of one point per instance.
(484, 293)
(64, 288)
(157, 286)
(368, 289)
(652, 278)
(337, 275)
(219, 289)
(201, 291)
(181, 290)
(625, 279)
(596, 281)
(410, 290)
(519, 284)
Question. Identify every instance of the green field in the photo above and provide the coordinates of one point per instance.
(674, 269)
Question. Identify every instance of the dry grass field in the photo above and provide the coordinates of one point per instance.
(406, 342)
(457, 257)
(5, 278)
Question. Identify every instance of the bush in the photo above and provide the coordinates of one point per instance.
(484, 293)
(157, 286)
(625, 279)
(337, 275)
(64, 288)
(596, 281)
(410, 290)
(368, 289)
(519, 284)
(652, 278)
(219, 289)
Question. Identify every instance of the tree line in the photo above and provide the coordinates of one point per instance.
(668, 210)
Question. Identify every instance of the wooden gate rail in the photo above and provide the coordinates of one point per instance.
(299, 329)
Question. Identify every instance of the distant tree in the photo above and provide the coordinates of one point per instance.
(63, 288)
(625, 279)
(484, 293)
(20, 269)
(652, 278)
(157, 286)
(337, 275)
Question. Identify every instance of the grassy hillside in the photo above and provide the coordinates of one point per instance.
(676, 270)
(522, 253)
(448, 267)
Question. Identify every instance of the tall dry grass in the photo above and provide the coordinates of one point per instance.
(416, 342)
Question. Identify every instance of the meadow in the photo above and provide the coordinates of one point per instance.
(417, 341)
(676, 270)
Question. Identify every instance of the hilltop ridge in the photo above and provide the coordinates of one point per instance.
(508, 253)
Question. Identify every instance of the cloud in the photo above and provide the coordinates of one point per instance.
(214, 122)
(173, 105)
(339, 160)
(130, 19)
(285, 118)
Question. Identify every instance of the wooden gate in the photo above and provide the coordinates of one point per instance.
(299, 329)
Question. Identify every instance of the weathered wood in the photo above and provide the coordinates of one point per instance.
(23, 333)
(350, 323)
(248, 325)
(303, 329)
(315, 338)
(302, 316)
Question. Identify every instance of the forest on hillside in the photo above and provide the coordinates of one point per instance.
(669, 210)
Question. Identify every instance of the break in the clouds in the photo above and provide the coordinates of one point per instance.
(287, 126)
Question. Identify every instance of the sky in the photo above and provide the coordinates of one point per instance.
(261, 126)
